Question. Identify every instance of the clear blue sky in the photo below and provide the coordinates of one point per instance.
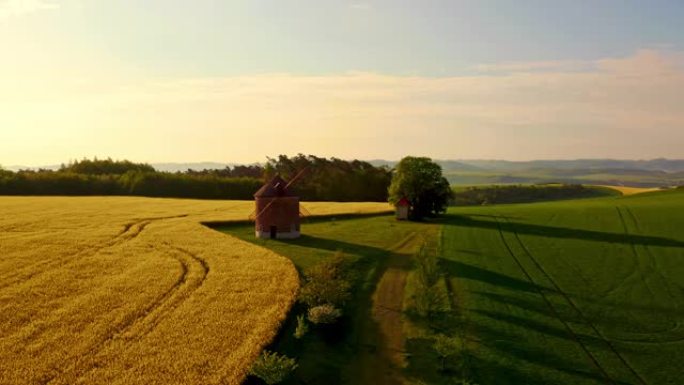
(81, 77)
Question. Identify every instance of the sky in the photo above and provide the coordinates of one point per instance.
(236, 81)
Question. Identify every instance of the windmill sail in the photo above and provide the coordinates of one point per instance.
(303, 212)
(256, 216)
(299, 175)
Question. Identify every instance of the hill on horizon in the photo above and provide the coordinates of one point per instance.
(659, 164)
(659, 172)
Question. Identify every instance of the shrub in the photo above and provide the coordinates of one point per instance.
(326, 283)
(272, 367)
(428, 297)
(324, 314)
(446, 347)
(427, 264)
(302, 327)
(429, 300)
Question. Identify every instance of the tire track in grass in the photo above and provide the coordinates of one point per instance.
(636, 262)
(663, 280)
(135, 327)
(574, 306)
(653, 267)
(654, 260)
(554, 312)
(634, 250)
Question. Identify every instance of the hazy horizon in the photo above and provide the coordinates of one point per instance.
(215, 162)
(183, 82)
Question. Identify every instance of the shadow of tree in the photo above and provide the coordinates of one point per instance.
(559, 232)
(456, 269)
(424, 363)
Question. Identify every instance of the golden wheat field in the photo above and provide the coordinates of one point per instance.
(626, 190)
(121, 290)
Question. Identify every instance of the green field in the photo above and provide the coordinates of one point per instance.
(334, 356)
(573, 292)
(635, 178)
(577, 292)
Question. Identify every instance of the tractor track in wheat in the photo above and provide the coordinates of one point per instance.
(194, 271)
(129, 232)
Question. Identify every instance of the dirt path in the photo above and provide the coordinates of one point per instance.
(382, 335)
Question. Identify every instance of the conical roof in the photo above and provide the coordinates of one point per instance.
(404, 202)
(274, 188)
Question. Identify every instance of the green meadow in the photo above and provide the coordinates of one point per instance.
(574, 292)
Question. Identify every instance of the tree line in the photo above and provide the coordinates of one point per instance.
(486, 195)
(325, 180)
(332, 179)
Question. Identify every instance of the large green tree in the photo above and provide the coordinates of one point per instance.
(420, 181)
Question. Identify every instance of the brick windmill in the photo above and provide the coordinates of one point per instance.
(278, 213)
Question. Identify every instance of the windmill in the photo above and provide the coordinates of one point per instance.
(278, 212)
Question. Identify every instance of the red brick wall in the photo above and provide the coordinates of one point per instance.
(283, 213)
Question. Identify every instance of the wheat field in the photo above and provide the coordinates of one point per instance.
(121, 290)
(626, 190)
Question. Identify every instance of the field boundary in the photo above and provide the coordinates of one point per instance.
(312, 218)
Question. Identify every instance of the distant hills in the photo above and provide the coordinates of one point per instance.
(665, 165)
(640, 173)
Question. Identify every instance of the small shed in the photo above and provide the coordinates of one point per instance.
(277, 211)
(402, 209)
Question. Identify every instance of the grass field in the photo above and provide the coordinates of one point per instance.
(377, 246)
(579, 292)
(134, 290)
(572, 292)
(635, 178)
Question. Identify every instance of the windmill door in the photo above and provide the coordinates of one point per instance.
(274, 232)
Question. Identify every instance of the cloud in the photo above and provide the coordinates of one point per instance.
(618, 107)
(10, 8)
(537, 66)
(361, 6)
